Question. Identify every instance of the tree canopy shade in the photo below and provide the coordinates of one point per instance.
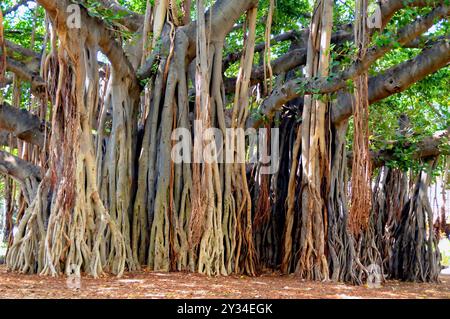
(94, 91)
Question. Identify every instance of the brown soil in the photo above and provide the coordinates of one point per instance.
(147, 284)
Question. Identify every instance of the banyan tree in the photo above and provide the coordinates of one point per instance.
(97, 95)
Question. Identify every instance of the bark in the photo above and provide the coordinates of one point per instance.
(415, 254)
(18, 168)
(343, 257)
(170, 190)
(19, 68)
(297, 87)
(312, 138)
(394, 80)
(73, 239)
(237, 195)
(110, 197)
(361, 200)
(2, 51)
(22, 124)
(389, 197)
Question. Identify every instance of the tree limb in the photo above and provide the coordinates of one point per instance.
(220, 20)
(24, 73)
(103, 35)
(21, 50)
(22, 124)
(26, 69)
(394, 80)
(132, 20)
(17, 168)
(289, 35)
(16, 7)
(297, 87)
(389, 8)
(397, 78)
(345, 32)
(286, 62)
(428, 147)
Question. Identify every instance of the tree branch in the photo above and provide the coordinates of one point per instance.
(389, 8)
(22, 124)
(16, 7)
(17, 168)
(393, 80)
(286, 62)
(27, 68)
(345, 32)
(290, 35)
(428, 147)
(397, 78)
(297, 87)
(13, 47)
(220, 18)
(24, 73)
(132, 20)
(103, 35)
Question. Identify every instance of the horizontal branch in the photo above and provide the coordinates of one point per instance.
(13, 47)
(297, 57)
(345, 32)
(17, 168)
(394, 80)
(389, 8)
(430, 146)
(291, 60)
(16, 7)
(130, 19)
(22, 124)
(286, 62)
(26, 74)
(98, 32)
(289, 35)
(297, 87)
(397, 78)
(26, 67)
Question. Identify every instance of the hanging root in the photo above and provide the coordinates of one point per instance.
(415, 255)
(26, 253)
(2, 51)
(312, 262)
(361, 197)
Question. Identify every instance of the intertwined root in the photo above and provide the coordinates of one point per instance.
(121, 204)
(415, 254)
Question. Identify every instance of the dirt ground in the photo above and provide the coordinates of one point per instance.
(146, 284)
